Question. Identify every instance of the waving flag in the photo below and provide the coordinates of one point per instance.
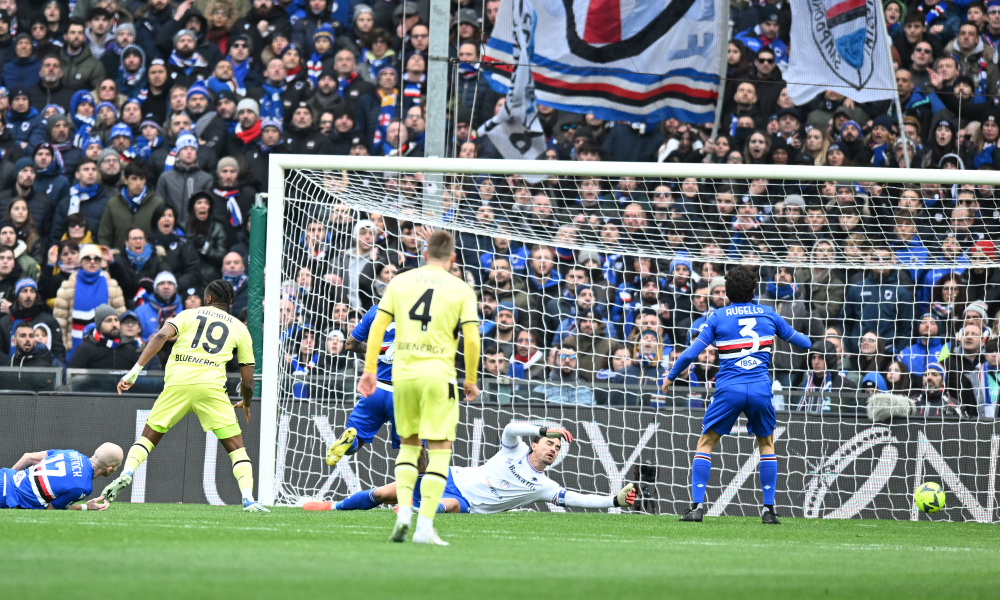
(839, 45)
(631, 60)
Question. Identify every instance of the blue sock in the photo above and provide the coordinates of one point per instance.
(768, 477)
(701, 468)
(355, 446)
(359, 501)
(441, 508)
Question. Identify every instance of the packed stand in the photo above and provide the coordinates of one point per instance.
(135, 137)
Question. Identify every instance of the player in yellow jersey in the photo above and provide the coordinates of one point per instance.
(195, 381)
(430, 306)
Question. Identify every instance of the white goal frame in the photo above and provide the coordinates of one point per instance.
(280, 163)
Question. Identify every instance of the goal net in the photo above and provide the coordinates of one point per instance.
(593, 277)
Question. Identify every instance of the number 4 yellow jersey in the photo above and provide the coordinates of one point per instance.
(430, 305)
(206, 338)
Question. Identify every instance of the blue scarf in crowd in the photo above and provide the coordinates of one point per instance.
(139, 259)
(270, 104)
(134, 203)
(240, 70)
(345, 82)
(91, 291)
(782, 291)
(78, 195)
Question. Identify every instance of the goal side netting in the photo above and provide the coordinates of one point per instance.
(592, 278)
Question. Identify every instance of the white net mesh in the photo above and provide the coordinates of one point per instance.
(590, 287)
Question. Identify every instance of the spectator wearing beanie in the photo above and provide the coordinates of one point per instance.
(247, 132)
(49, 180)
(22, 118)
(186, 178)
(215, 126)
(258, 154)
(161, 305)
(102, 347)
(58, 131)
(22, 72)
(133, 205)
(80, 295)
(131, 76)
(28, 306)
(207, 236)
(319, 50)
(185, 65)
(265, 20)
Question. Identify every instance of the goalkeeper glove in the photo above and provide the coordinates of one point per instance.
(626, 496)
(555, 432)
(132, 375)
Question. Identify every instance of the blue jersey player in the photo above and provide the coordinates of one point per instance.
(57, 479)
(744, 334)
(370, 412)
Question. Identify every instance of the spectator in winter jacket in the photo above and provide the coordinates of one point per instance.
(133, 206)
(29, 307)
(879, 303)
(22, 72)
(564, 384)
(9, 237)
(58, 131)
(50, 181)
(235, 273)
(163, 304)
(137, 261)
(928, 347)
(22, 118)
(78, 297)
(81, 70)
(302, 136)
(207, 236)
(177, 186)
(174, 249)
(24, 189)
(186, 65)
(50, 88)
(27, 353)
(87, 196)
(102, 348)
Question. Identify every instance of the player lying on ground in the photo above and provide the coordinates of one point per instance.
(430, 307)
(511, 479)
(743, 333)
(195, 381)
(57, 478)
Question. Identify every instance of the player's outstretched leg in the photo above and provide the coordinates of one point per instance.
(136, 456)
(431, 490)
(701, 470)
(406, 479)
(768, 483)
(346, 444)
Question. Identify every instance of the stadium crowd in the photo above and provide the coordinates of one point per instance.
(135, 136)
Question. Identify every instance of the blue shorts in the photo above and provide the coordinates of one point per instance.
(450, 491)
(371, 413)
(751, 399)
(8, 496)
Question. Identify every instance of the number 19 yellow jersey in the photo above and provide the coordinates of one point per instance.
(205, 341)
(430, 305)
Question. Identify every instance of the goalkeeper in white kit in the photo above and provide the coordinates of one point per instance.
(513, 478)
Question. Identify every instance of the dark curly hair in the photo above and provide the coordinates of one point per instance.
(741, 284)
(221, 292)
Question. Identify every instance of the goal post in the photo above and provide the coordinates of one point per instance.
(600, 269)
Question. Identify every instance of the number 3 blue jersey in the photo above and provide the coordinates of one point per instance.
(744, 336)
(386, 352)
(64, 477)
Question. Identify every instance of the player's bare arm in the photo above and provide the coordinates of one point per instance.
(154, 345)
(98, 503)
(355, 346)
(246, 389)
(29, 459)
(472, 346)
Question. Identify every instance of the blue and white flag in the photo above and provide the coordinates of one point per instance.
(839, 45)
(626, 60)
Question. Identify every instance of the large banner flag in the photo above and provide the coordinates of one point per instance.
(839, 45)
(515, 130)
(622, 60)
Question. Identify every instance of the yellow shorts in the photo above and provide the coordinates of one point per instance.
(211, 404)
(426, 407)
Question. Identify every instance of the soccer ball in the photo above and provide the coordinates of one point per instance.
(929, 497)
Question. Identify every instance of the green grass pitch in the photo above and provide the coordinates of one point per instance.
(189, 551)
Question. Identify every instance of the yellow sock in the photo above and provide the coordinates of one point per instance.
(432, 485)
(137, 454)
(243, 471)
(406, 473)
